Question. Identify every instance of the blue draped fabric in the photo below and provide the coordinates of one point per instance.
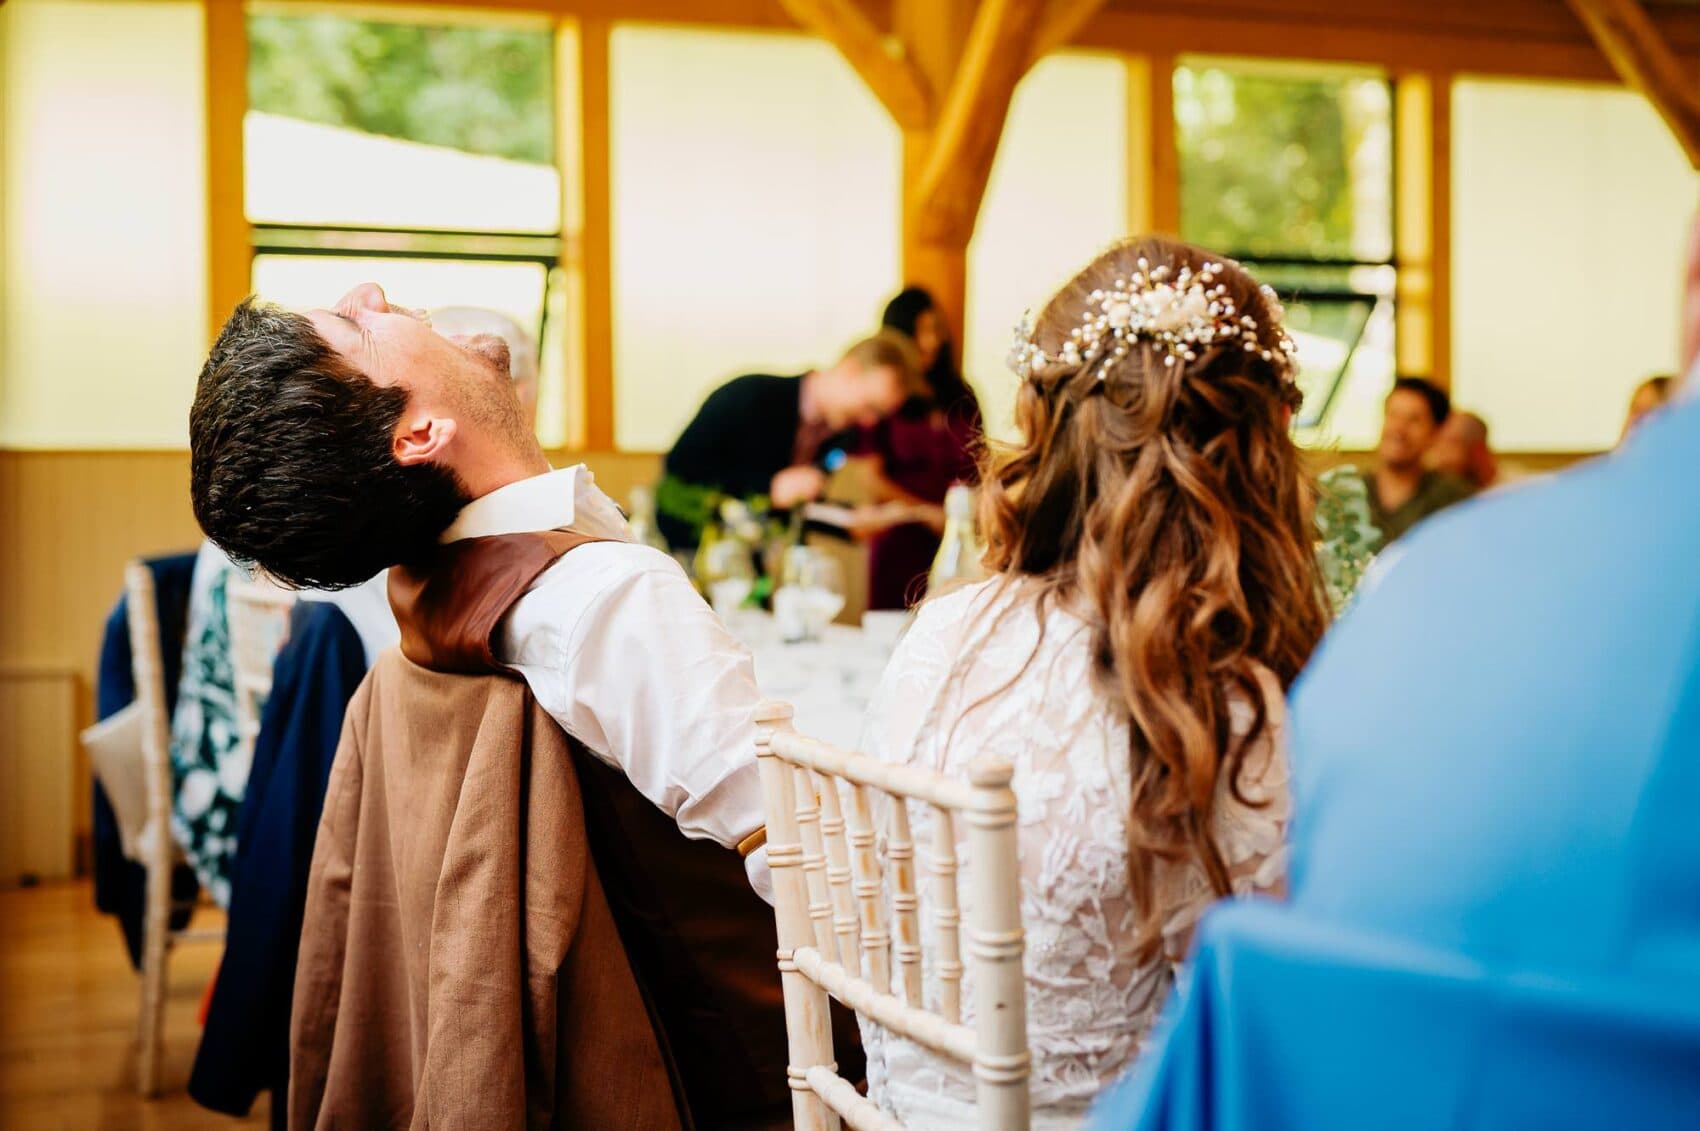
(245, 1047)
(1494, 916)
(120, 884)
(1292, 1025)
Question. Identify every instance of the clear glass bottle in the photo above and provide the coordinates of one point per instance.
(958, 559)
(725, 563)
(642, 519)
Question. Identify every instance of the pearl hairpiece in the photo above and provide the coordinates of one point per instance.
(1178, 310)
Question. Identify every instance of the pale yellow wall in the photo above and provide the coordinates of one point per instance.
(755, 198)
(1057, 197)
(105, 218)
(1568, 213)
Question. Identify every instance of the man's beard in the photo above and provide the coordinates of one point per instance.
(489, 397)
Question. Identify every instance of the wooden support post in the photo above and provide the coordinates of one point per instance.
(947, 197)
(596, 408)
(229, 249)
(1632, 44)
(1153, 166)
(948, 84)
(1422, 225)
(935, 32)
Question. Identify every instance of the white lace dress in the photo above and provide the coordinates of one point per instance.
(1089, 1002)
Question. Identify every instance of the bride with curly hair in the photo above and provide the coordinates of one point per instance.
(1154, 592)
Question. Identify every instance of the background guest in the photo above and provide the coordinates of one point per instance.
(1402, 491)
(930, 443)
(1462, 450)
(1649, 396)
(766, 435)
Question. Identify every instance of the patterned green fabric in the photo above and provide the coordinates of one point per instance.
(1347, 537)
(209, 771)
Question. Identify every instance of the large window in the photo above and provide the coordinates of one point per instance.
(1569, 206)
(1057, 197)
(1290, 170)
(424, 157)
(755, 201)
(103, 192)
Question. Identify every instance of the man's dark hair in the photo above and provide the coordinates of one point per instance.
(291, 463)
(1439, 404)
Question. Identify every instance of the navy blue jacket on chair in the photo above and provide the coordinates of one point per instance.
(1494, 917)
(245, 1048)
(120, 884)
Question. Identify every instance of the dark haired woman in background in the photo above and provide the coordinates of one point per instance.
(923, 449)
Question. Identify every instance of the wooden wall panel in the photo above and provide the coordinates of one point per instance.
(71, 521)
(40, 774)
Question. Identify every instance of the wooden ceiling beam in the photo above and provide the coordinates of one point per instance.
(895, 81)
(947, 195)
(1629, 40)
(1063, 20)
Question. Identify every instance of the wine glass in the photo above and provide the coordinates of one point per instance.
(811, 593)
(728, 575)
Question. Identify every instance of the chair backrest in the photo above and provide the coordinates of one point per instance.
(259, 625)
(830, 899)
(148, 670)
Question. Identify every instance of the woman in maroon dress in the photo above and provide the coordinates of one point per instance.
(928, 445)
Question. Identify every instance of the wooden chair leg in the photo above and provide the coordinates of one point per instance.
(156, 939)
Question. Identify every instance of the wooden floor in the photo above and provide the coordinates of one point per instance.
(68, 1015)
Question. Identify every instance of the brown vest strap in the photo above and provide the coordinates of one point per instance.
(449, 606)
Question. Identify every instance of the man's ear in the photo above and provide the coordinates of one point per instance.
(422, 439)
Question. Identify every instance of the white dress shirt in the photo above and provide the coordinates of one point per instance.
(619, 648)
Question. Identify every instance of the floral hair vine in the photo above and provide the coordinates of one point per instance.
(1179, 310)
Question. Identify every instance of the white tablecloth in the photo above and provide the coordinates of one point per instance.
(829, 681)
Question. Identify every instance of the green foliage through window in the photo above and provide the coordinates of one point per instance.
(1280, 165)
(485, 90)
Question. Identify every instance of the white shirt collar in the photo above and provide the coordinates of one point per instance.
(567, 499)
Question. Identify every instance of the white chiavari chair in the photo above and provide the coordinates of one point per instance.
(830, 899)
(258, 613)
(159, 849)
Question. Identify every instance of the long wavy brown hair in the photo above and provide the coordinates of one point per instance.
(1166, 503)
